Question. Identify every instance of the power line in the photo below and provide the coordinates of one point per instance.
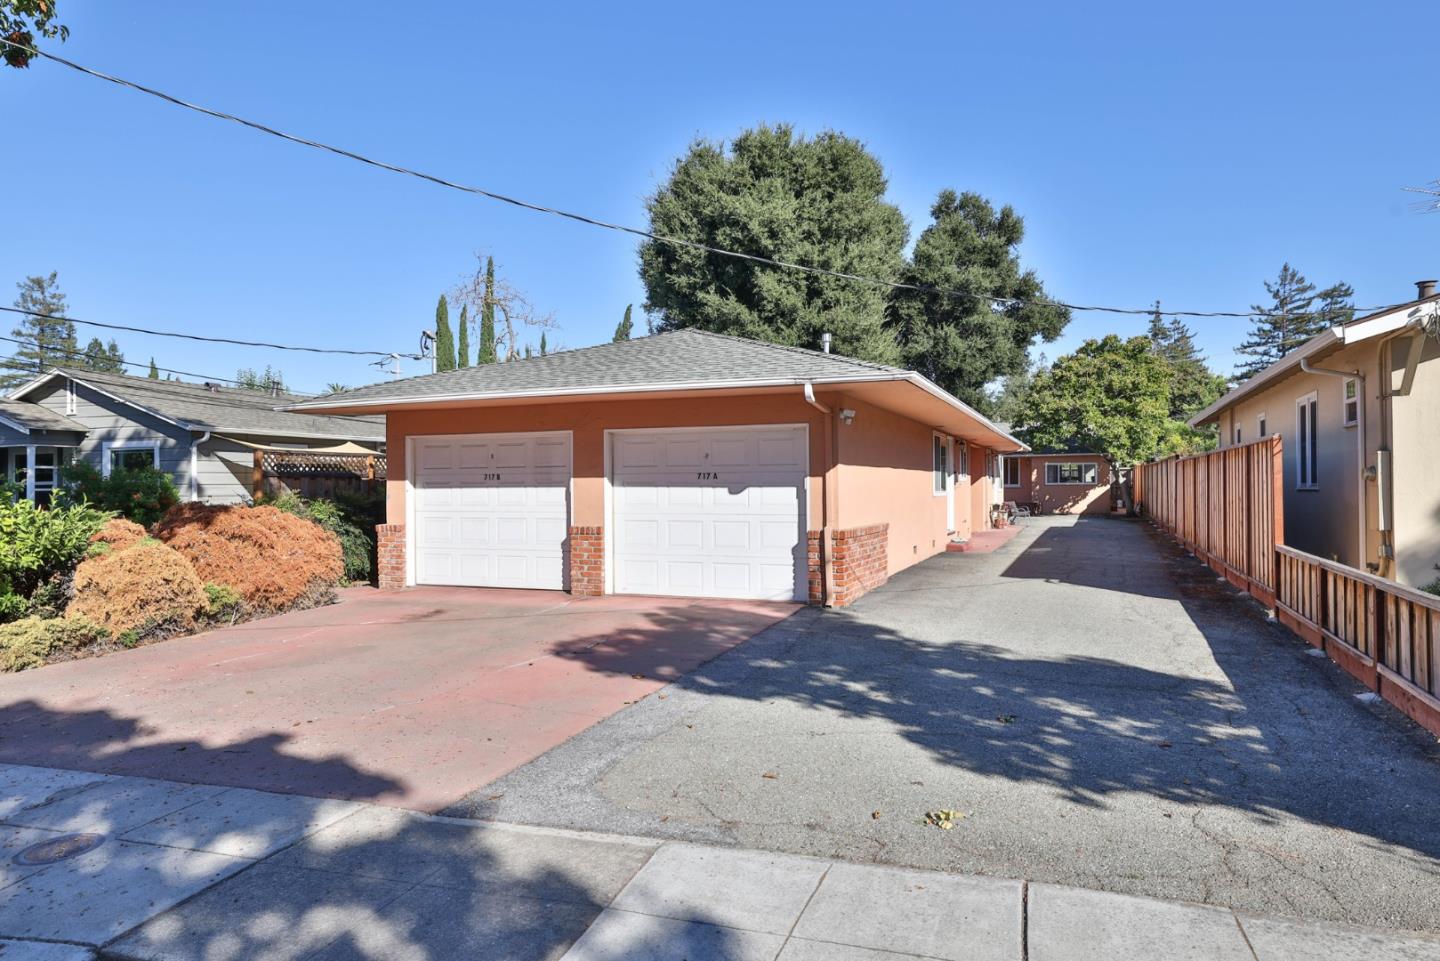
(622, 228)
(212, 340)
(69, 356)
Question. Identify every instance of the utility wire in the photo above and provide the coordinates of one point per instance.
(75, 356)
(634, 231)
(211, 340)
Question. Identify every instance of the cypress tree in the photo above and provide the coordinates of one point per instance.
(622, 329)
(444, 337)
(462, 351)
(542, 343)
(154, 371)
(486, 353)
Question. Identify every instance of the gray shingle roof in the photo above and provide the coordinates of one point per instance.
(228, 408)
(36, 417)
(682, 357)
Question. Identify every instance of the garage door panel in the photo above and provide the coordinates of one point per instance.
(492, 510)
(730, 527)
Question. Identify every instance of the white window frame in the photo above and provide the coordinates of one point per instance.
(1260, 425)
(939, 464)
(1307, 461)
(1350, 383)
(106, 450)
(1086, 467)
(1005, 463)
(962, 462)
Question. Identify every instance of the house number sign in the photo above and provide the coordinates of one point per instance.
(706, 475)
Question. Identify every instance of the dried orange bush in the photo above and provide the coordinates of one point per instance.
(143, 588)
(275, 560)
(119, 534)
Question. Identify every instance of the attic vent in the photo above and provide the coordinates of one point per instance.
(212, 388)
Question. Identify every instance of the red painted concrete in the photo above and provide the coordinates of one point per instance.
(410, 698)
(983, 542)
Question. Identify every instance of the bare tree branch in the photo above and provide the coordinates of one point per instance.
(515, 311)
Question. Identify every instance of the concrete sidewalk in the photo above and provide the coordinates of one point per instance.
(182, 871)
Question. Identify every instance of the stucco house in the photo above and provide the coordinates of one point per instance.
(1358, 408)
(684, 463)
(1059, 482)
(203, 435)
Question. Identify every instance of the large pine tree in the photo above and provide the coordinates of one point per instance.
(48, 339)
(1193, 385)
(444, 337)
(486, 352)
(1296, 312)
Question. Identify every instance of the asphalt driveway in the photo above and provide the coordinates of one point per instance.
(409, 699)
(1101, 711)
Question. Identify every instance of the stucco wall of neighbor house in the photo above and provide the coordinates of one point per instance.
(1062, 498)
(1416, 465)
(886, 477)
(982, 493)
(111, 422)
(1322, 521)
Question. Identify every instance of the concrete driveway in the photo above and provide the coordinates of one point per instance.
(408, 699)
(1100, 709)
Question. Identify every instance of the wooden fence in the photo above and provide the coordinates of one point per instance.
(1226, 506)
(315, 473)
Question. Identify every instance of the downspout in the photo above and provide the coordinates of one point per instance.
(195, 443)
(1363, 527)
(827, 497)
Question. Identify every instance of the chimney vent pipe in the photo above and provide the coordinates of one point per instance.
(1426, 288)
(825, 337)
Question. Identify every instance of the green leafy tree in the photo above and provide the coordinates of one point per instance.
(269, 379)
(965, 340)
(444, 337)
(462, 338)
(623, 329)
(1111, 396)
(48, 339)
(1005, 402)
(103, 357)
(1296, 313)
(815, 201)
(486, 353)
(154, 371)
(20, 21)
(1193, 385)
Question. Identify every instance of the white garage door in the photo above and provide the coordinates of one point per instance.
(491, 510)
(717, 512)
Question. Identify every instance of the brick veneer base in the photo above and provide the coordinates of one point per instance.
(587, 561)
(390, 556)
(860, 556)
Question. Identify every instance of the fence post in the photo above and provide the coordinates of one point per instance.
(370, 474)
(257, 475)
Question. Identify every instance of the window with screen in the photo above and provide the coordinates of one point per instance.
(940, 461)
(1307, 456)
(1352, 402)
(1070, 473)
(1012, 472)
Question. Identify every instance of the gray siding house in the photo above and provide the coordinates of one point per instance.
(203, 435)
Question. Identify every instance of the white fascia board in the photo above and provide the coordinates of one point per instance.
(14, 425)
(930, 387)
(100, 390)
(297, 435)
(28, 386)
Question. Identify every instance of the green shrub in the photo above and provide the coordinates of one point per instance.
(351, 518)
(36, 544)
(33, 641)
(142, 495)
(221, 600)
(1433, 587)
(12, 607)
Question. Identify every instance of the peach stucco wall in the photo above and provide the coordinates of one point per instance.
(884, 472)
(1062, 498)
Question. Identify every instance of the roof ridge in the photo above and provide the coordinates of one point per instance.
(806, 351)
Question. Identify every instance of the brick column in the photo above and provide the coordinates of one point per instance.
(860, 556)
(814, 571)
(390, 556)
(587, 561)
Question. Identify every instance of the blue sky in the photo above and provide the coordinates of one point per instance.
(1153, 151)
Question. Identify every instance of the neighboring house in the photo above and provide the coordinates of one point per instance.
(1059, 482)
(684, 463)
(1358, 408)
(203, 436)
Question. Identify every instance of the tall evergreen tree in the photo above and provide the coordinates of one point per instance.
(543, 350)
(528, 354)
(1291, 318)
(100, 356)
(49, 340)
(770, 192)
(462, 338)
(154, 371)
(964, 341)
(444, 337)
(486, 353)
(622, 329)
